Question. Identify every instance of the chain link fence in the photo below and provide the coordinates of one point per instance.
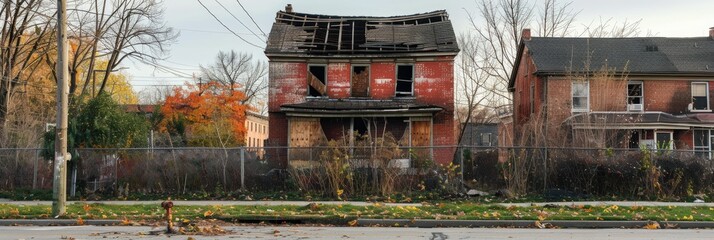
(349, 171)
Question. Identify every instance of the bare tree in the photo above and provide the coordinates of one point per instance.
(475, 91)
(137, 31)
(241, 72)
(24, 38)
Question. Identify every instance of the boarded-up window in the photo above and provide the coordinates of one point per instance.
(304, 134)
(421, 139)
(317, 81)
(360, 81)
(405, 80)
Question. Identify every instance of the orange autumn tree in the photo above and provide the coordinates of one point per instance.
(206, 115)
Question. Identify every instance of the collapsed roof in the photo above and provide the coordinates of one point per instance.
(310, 34)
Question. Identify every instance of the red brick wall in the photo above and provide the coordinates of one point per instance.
(670, 96)
(433, 84)
(522, 94)
(382, 83)
(338, 80)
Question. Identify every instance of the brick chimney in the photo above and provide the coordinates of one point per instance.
(711, 33)
(289, 8)
(526, 34)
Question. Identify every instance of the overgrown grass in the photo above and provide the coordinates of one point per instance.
(462, 211)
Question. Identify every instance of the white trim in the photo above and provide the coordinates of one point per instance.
(706, 92)
(641, 96)
(587, 96)
(671, 138)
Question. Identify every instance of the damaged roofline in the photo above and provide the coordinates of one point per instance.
(357, 55)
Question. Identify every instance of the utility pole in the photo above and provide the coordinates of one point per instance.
(59, 186)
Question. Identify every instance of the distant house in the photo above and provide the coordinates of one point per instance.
(656, 93)
(147, 110)
(334, 76)
(256, 126)
(480, 135)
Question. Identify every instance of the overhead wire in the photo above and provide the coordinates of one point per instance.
(227, 28)
(251, 18)
(239, 21)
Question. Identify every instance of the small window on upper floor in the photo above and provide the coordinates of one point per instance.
(405, 81)
(700, 96)
(317, 80)
(581, 96)
(634, 96)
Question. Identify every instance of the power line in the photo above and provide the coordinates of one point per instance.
(227, 28)
(251, 18)
(239, 21)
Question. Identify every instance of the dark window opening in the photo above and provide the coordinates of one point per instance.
(634, 140)
(317, 81)
(634, 93)
(361, 126)
(360, 81)
(405, 80)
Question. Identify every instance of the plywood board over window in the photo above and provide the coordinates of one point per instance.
(360, 81)
(421, 138)
(305, 133)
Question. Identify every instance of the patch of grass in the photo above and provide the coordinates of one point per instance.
(465, 211)
(27, 194)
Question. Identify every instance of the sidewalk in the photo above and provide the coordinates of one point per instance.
(359, 203)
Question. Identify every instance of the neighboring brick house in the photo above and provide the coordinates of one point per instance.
(256, 126)
(331, 76)
(651, 91)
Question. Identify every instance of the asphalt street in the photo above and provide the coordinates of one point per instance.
(303, 232)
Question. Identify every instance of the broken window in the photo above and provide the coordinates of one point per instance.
(360, 81)
(405, 81)
(700, 96)
(317, 81)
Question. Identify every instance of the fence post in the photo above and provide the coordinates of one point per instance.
(34, 170)
(242, 168)
(545, 169)
(461, 164)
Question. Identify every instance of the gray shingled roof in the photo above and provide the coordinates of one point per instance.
(634, 55)
(311, 34)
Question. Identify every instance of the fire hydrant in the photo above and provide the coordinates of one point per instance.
(168, 205)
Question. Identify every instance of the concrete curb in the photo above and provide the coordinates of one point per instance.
(57, 222)
(431, 223)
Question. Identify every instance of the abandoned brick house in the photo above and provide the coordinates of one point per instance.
(332, 77)
(640, 92)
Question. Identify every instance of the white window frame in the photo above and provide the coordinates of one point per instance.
(587, 96)
(671, 139)
(698, 149)
(641, 96)
(706, 92)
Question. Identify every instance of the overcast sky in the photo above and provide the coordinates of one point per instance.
(201, 36)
